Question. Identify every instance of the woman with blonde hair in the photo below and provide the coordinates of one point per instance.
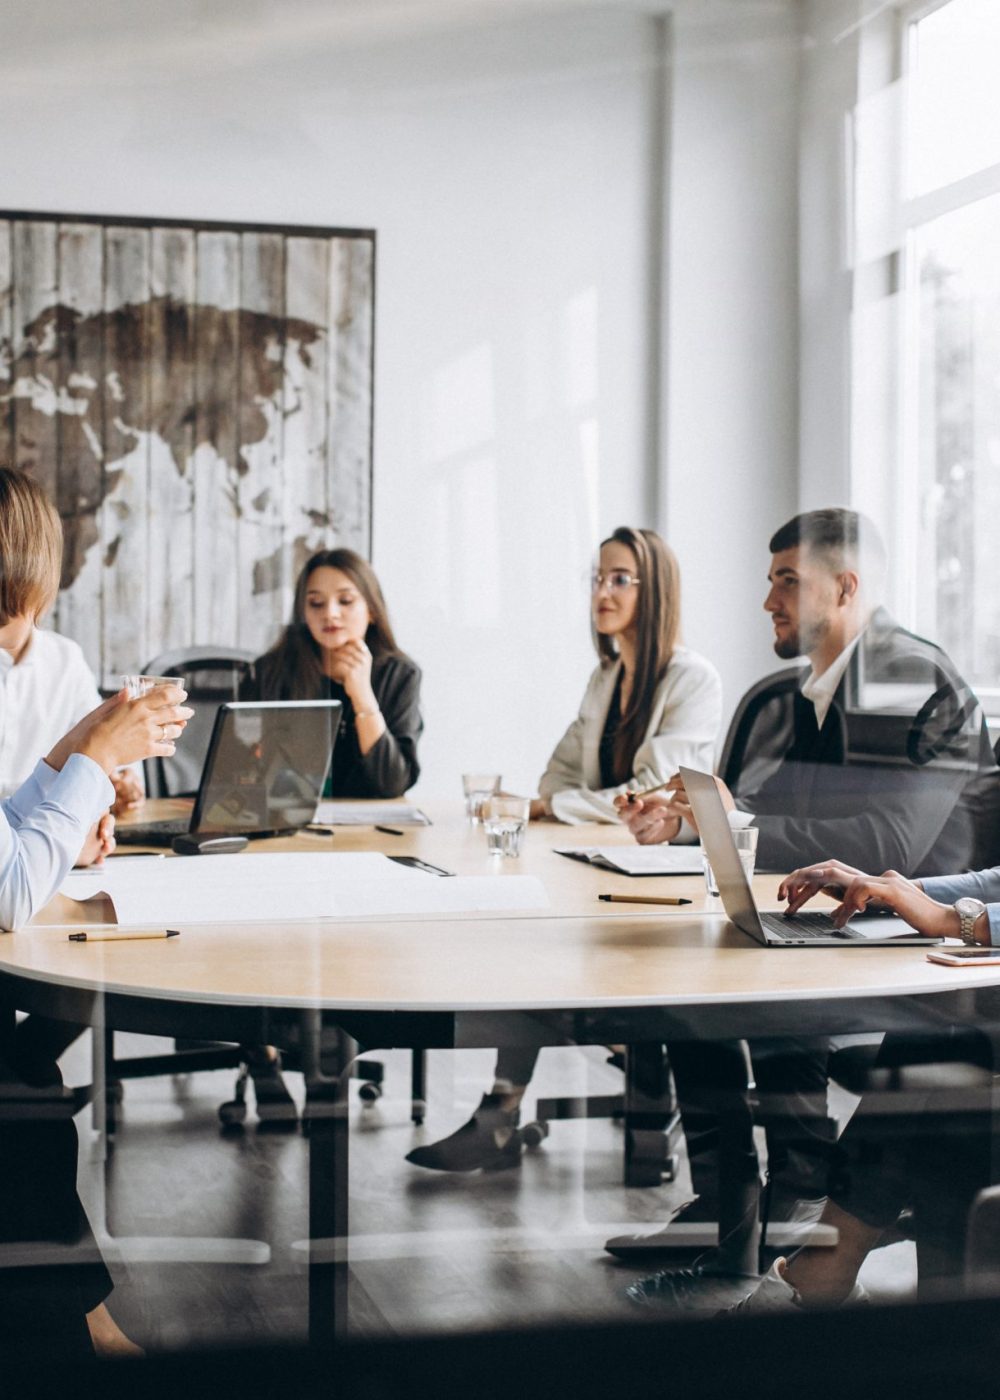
(650, 706)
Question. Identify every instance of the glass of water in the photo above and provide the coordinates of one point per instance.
(478, 789)
(504, 819)
(745, 838)
(137, 686)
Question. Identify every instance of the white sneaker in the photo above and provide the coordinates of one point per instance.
(775, 1294)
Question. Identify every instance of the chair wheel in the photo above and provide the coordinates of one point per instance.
(418, 1111)
(671, 1167)
(233, 1114)
(534, 1134)
(370, 1093)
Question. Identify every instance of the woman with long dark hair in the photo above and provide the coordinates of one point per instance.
(650, 706)
(340, 645)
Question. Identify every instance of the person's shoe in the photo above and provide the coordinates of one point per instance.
(694, 1226)
(275, 1106)
(775, 1294)
(490, 1142)
(682, 1289)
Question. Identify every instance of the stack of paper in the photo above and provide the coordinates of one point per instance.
(279, 887)
(369, 814)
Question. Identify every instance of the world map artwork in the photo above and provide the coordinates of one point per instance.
(200, 439)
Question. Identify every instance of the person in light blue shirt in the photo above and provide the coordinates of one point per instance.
(936, 1173)
(60, 1310)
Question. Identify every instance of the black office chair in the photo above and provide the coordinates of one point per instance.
(758, 724)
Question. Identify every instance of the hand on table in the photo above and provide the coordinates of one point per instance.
(857, 891)
(128, 792)
(100, 842)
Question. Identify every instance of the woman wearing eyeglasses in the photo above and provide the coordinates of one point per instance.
(649, 707)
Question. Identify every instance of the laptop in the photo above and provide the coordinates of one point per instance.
(264, 773)
(809, 930)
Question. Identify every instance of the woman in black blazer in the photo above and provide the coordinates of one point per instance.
(340, 645)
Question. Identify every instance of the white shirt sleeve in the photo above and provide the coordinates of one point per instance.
(42, 831)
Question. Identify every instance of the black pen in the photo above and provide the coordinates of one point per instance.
(390, 831)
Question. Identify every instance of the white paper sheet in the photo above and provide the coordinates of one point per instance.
(640, 860)
(279, 887)
(369, 814)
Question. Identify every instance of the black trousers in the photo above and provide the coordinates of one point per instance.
(791, 1080)
(51, 1270)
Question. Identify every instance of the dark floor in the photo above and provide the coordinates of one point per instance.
(428, 1251)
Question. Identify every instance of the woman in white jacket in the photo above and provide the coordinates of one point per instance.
(650, 706)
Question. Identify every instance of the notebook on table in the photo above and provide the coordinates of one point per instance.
(639, 860)
(263, 775)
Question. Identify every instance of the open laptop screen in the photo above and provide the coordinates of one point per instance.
(266, 766)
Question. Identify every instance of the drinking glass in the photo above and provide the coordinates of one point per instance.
(477, 788)
(504, 819)
(138, 686)
(745, 838)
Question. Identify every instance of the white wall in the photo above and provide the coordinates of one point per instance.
(730, 451)
(504, 164)
(513, 166)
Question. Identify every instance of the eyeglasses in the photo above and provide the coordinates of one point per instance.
(617, 580)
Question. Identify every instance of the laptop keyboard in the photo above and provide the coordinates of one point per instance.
(142, 833)
(802, 926)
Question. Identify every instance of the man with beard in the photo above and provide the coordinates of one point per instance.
(879, 753)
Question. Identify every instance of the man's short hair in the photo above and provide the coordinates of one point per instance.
(30, 547)
(847, 537)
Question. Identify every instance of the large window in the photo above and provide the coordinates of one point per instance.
(935, 135)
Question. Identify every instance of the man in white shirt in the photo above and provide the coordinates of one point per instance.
(879, 754)
(46, 686)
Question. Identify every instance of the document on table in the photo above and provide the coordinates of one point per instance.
(281, 887)
(639, 860)
(369, 814)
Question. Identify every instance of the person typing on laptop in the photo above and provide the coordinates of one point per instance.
(879, 752)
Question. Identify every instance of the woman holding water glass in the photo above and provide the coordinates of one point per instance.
(340, 645)
(650, 706)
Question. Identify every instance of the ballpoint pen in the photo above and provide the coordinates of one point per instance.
(642, 899)
(123, 935)
(646, 791)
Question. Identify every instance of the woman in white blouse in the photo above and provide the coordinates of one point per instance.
(649, 707)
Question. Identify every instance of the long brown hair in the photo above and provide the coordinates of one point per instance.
(657, 629)
(292, 669)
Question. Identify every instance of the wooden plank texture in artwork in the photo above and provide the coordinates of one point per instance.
(262, 342)
(127, 427)
(216, 452)
(350, 390)
(80, 435)
(308, 525)
(36, 358)
(197, 401)
(172, 413)
(6, 345)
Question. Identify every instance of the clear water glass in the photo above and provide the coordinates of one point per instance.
(745, 838)
(478, 789)
(137, 686)
(504, 819)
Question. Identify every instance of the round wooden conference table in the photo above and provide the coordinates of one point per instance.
(576, 972)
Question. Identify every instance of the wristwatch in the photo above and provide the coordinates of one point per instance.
(968, 911)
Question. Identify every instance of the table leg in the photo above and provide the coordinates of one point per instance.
(326, 1122)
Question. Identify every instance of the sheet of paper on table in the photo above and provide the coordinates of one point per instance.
(639, 860)
(369, 814)
(280, 887)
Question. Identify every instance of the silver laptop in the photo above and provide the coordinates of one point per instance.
(777, 930)
(264, 773)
